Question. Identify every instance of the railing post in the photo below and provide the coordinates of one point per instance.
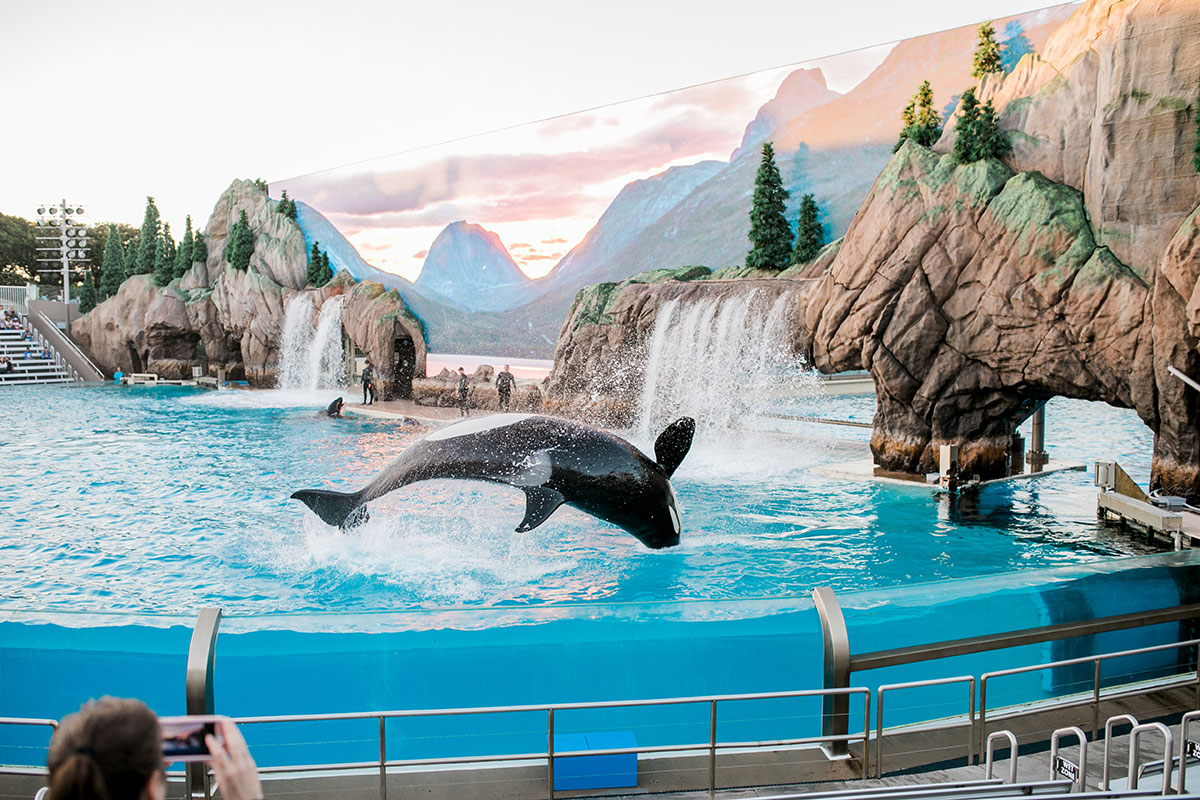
(382, 759)
(712, 748)
(1012, 754)
(835, 709)
(1081, 778)
(1184, 723)
(199, 690)
(550, 750)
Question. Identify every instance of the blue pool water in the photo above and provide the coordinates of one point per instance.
(131, 508)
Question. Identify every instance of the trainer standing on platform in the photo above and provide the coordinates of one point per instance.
(464, 408)
(368, 382)
(504, 385)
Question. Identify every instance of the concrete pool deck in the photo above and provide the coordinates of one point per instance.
(401, 410)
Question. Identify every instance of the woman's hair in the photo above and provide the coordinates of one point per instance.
(108, 750)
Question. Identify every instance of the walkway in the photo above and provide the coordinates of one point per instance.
(407, 409)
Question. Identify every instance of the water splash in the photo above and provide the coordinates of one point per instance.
(309, 358)
(722, 362)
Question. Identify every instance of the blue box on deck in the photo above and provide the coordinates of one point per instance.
(595, 772)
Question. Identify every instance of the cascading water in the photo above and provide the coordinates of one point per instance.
(309, 358)
(720, 361)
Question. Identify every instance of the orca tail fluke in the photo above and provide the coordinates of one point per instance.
(673, 444)
(339, 509)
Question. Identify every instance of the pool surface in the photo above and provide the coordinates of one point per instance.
(161, 500)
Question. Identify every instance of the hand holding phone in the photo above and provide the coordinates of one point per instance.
(185, 738)
(237, 774)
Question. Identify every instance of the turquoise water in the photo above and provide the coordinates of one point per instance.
(131, 508)
(164, 500)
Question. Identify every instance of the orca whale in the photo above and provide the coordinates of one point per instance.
(554, 461)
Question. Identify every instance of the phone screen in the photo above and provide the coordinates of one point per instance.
(183, 737)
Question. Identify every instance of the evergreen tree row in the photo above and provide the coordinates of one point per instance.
(770, 235)
(319, 270)
(286, 206)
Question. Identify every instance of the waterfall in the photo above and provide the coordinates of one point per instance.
(720, 361)
(311, 358)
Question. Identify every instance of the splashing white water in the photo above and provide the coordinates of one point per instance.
(309, 358)
(721, 362)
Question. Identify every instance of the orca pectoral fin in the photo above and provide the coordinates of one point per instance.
(540, 503)
(673, 444)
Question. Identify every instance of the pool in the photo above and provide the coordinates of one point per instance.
(132, 508)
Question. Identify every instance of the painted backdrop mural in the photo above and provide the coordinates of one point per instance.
(489, 238)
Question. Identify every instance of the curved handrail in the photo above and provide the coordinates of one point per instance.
(1168, 749)
(1012, 754)
(1082, 737)
(1184, 722)
(1108, 726)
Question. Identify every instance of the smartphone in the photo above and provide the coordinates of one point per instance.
(183, 737)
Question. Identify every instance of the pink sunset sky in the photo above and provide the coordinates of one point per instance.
(543, 185)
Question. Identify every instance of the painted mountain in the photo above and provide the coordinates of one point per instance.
(682, 212)
(469, 267)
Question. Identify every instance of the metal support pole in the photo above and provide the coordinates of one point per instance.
(835, 709)
(199, 689)
(550, 750)
(382, 759)
(1037, 457)
(712, 749)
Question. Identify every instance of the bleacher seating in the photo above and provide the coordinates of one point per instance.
(35, 369)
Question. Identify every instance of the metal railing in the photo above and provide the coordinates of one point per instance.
(713, 746)
(1097, 694)
(879, 730)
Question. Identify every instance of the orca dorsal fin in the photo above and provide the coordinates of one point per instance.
(540, 503)
(673, 444)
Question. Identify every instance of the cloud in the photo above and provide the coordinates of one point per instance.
(554, 240)
(520, 246)
(542, 256)
(420, 254)
(510, 187)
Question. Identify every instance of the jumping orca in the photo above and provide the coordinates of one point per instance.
(554, 461)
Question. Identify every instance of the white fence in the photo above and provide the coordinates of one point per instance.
(18, 297)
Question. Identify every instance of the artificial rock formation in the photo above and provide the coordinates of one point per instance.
(218, 317)
(600, 357)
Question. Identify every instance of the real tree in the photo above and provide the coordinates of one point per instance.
(148, 247)
(87, 292)
(18, 251)
(977, 131)
(187, 247)
(199, 248)
(922, 124)
(286, 206)
(131, 256)
(239, 247)
(989, 59)
(164, 257)
(770, 234)
(319, 270)
(112, 271)
(810, 233)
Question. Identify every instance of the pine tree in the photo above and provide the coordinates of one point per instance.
(314, 264)
(908, 116)
(286, 206)
(810, 233)
(921, 123)
(199, 248)
(770, 235)
(993, 142)
(148, 246)
(988, 58)
(112, 273)
(326, 269)
(927, 125)
(239, 248)
(966, 129)
(131, 257)
(164, 264)
(183, 257)
(87, 293)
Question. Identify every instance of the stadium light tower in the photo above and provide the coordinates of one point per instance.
(65, 240)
